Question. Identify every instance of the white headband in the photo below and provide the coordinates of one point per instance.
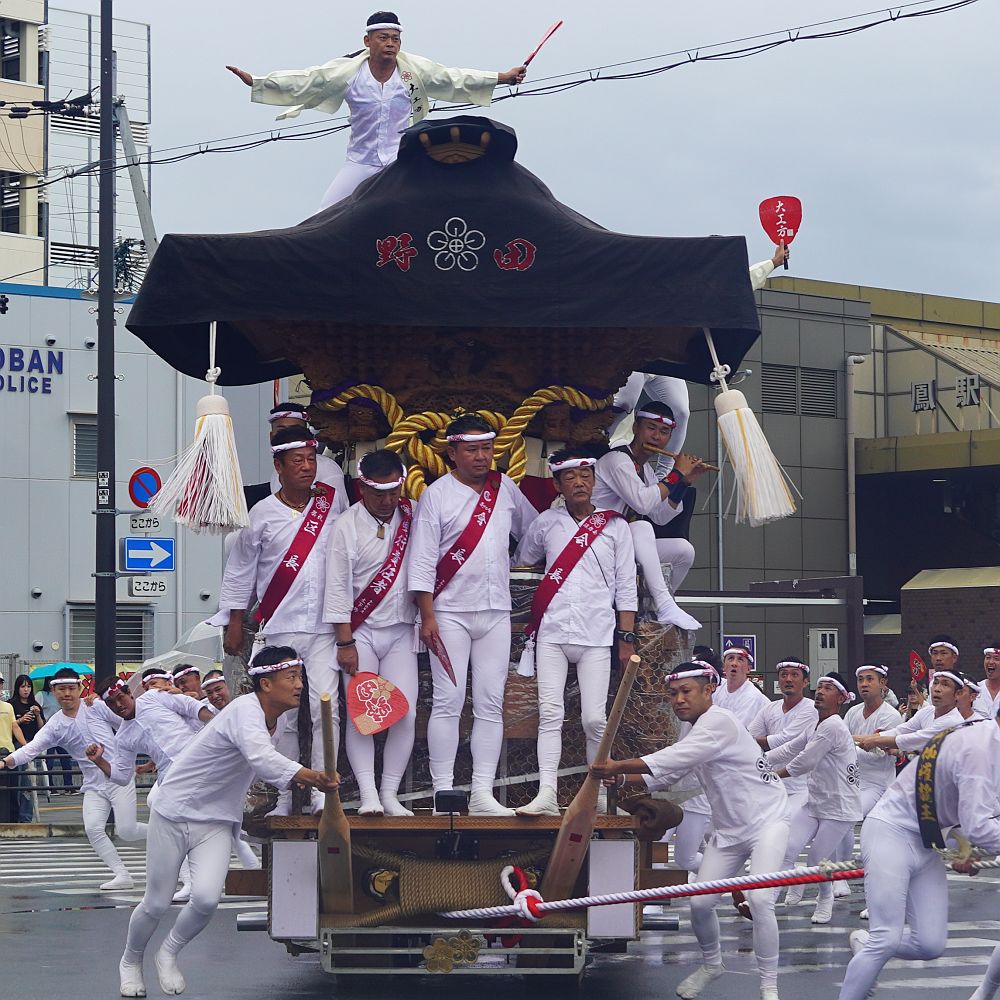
(849, 696)
(972, 686)
(875, 667)
(952, 677)
(385, 24)
(804, 667)
(991, 649)
(158, 677)
(187, 670)
(660, 418)
(572, 463)
(947, 645)
(310, 443)
(114, 687)
(271, 668)
(64, 680)
(705, 670)
(382, 486)
(739, 651)
(484, 436)
(213, 680)
(290, 414)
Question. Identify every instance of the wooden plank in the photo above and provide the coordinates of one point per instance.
(246, 882)
(657, 878)
(397, 824)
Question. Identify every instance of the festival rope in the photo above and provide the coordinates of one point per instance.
(386, 400)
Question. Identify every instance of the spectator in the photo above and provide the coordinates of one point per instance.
(57, 756)
(28, 714)
(915, 699)
(9, 732)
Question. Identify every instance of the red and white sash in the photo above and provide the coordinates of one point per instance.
(556, 576)
(294, 559)
(381, 583)
(453, 560)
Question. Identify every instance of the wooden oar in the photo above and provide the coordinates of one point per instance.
(335, 880)
(573, 841)
(675, 455)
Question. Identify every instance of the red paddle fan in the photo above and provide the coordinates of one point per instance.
(918, 669)
(374, 704)
(781, 218)
(548, 34)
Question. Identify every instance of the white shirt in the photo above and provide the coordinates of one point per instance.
(878, 768)
(828, 756)
(483, 581)
(256, 555)
(914, 734)
(329, 472)
(965, 788)
(356, 555)
(74, 736)
(583, 609)
(780, 726)
(744, 792)
(379, 113)
(170, 719)
(130, 741)
(209, 781)
(746, 702)
(618, 486)
(985, 704)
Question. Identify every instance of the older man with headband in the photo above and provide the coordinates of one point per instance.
(385, 89)
(294, 415)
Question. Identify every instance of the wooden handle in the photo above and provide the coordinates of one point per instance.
(329, 750)
(617, 710)
(676, 455)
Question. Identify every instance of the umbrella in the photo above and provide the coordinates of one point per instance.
(167, 661)
(202, 640)
(47, 670)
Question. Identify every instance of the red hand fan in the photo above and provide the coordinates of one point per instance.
(781, 218)
(918, 669)
(374, 703)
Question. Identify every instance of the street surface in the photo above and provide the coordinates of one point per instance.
(62, 937)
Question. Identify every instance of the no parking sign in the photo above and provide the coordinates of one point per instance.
(143, 485)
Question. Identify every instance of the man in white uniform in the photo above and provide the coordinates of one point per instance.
(627, 483)
(280, 560)
(75, 727)
(460, 575)
(387, 90)
(200, 807)
(372, 614)
(953, 783)
(593, 592)
(988, 699)
(828, 755)
(327, 470)
(216, 690)
(749, 811)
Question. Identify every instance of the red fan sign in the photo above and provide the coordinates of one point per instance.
(781, 218)
(374, 704)
(918, 669)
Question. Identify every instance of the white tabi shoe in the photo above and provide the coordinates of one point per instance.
(391, 806)
(183, 894)
(118, 882)
(863, 915)
(841, 889)
(857, 940)
(794, 893)
(698, 980)
(769, 993)
(482, 803)
(823, 912)
(171, 981)
(130, 977)
(545, 803)
(371, 804)
(671, 614)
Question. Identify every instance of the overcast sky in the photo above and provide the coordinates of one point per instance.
(888, 137)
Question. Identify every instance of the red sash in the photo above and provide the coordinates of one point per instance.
(452, 561)
(302, 544)
(563, 565)
(381, 583)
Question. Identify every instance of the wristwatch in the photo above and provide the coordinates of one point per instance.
(625, 636)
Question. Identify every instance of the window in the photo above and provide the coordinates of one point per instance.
(778, 389)
(11, 36)
(133, 633)
(811, 392)
(818, 392)
(10, 202)
(84, 448)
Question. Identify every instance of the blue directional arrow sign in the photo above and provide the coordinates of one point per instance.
(148, 555)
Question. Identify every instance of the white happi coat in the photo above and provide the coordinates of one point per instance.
(915, 733)
(878, 768)
(329, 472)
(780, 726)
(618, 486)
(746, 702)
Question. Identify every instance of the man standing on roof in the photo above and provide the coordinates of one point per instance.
(387, 90)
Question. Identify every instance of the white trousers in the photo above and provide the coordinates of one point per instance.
(665, 389)
(343, 185)
(479, 640)
(593, 672)
(389, 653)
(823, 836)
(206, 847)
(991, 981)
(765, 854)
(870, 794)
(97, 806)
(319, 652)
(907, 892)
(688, 839)
(651, 553)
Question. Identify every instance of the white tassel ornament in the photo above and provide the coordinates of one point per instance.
(205, 490)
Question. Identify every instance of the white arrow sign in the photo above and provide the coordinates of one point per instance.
(148, 554)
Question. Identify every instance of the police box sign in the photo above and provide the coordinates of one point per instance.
(27, 369)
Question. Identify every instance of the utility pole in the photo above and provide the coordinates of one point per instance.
(105, 588)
